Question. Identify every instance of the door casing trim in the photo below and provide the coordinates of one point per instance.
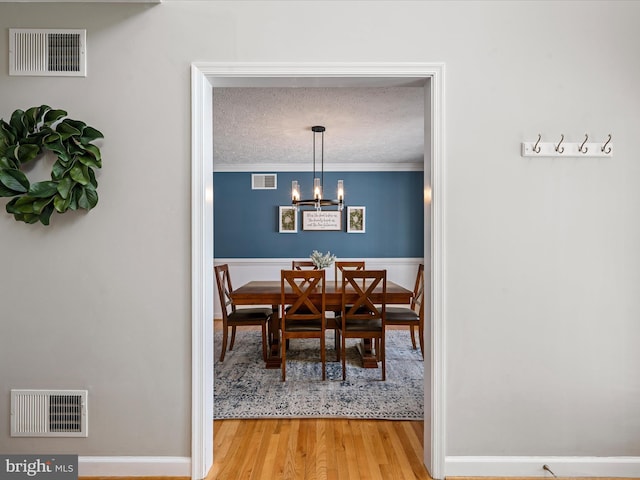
(207, 75)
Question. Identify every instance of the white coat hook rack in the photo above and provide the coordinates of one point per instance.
(562, 148)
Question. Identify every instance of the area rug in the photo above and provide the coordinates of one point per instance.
(244, 388)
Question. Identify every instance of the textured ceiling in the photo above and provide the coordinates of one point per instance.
(364, 125)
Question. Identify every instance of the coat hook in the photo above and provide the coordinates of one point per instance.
(558, 148)
(536, 148)
(582, 148)
(603, 148)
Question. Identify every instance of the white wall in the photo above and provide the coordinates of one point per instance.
(542, 266)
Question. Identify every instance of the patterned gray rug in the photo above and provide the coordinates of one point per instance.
(244, 388)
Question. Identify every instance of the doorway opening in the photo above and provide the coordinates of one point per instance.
(206, 76)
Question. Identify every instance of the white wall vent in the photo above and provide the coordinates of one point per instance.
(262, 181)
(49, 413)
(46, 52)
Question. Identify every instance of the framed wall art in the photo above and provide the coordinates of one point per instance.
(356, 219)
(321, 220)
(287, 219)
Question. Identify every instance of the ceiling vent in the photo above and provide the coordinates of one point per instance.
(49, 413)
(262, 181)
(46, 52)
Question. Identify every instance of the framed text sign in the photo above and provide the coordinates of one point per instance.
(321, 220)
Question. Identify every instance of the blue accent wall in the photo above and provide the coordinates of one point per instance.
(246, 220)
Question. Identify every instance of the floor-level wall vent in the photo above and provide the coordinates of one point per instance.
(49, 413)
(264, 181)
(46, 52)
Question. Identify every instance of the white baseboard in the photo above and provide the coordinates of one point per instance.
(134, 466)
(621, 467)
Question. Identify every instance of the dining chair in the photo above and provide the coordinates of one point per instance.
(412, 315)
(364, 318)
(342, 266)
(301, 317)
(238, 317)
(303, 265)
(330, 319)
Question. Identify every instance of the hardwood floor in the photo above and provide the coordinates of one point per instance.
(318, 449)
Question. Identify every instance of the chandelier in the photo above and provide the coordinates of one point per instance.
(317, 201)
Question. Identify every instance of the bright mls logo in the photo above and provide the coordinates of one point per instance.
(52, 467)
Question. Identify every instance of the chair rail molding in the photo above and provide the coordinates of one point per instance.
(207, 75)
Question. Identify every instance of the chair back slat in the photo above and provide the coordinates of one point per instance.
(364, 283)
(223, 281)
(417, 301)
(301, 284)
(303, 265)
(342, 266)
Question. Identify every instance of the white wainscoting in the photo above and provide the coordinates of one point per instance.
(242, 270)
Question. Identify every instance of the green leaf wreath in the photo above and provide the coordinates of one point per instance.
(73, 182)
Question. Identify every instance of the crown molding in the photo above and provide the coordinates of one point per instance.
(328, 167)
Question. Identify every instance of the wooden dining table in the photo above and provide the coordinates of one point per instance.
(267, 292)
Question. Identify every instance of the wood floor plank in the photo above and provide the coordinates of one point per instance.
(309, 452)
(334, 449)
(291, 452)
(415, 441)
(393, 466)
(322, 449)
(242, 452)
(411, 445)
(262, 438)
(270, 442)
(283, 431)
(340, 448)
(247, 455)
(378, 437)
(362, 457)
(401, 458)
(224, 432)
(224, 470)
(350, 450)
(320, 444)
(375, 458)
